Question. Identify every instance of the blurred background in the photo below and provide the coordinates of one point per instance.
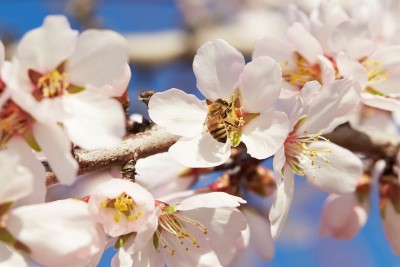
(163, 37)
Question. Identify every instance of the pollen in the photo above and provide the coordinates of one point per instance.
(173, 234)
(124, 206)
(302, 72)
(49, 85)
(375, 70)
(13, 121)
(298, 151)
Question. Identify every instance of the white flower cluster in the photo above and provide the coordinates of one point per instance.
(59, 92)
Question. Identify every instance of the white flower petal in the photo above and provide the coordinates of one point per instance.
(57, 148)
(342, 216)
(96, 121)
(201, 151)
(143, 202)
(352, 37)
(60, 233)
(279, 162)
(336, 103)
(265, 134)
(336, 171)
(147, 257)
(180, 113)
(377, 101)
(283, 199)
(160, 174)
(99, 58)
(10, 258)
(210, 200)
(44, 48)
(217, 67)
(28, 160)
(304, 42)
(260, 84)
(116, 88)
(327, 70)
(16, 180)
(260, 234)
(281, 51)
(351, 68)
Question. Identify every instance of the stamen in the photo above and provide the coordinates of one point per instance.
(303, 72)
(297, 151)
(124, 206)
(51, 85)
(173, 225)
(375, 71)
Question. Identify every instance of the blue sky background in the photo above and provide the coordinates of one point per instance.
(300, 244)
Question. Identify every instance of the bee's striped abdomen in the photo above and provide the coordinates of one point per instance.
(218, 132)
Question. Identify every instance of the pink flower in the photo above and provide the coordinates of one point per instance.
(239, 98)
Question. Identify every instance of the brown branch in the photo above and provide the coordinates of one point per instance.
(155, 140)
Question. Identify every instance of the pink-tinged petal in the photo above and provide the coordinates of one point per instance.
(60, 233)
(351, 68)
(210, 200)
(279, 162)
(265, 134)
(327, 70)
(44, 48)
(391, 227)
(122, 259)
(160, 174)
(260, 84)
(388, 86)
(217, 67)
(336, 103)
(353, 38)
(143, 204)
(304, 42)
(283, 199)
(180, 113)
(260, 234)
(82, 187)
(324, 21)
(96, 121)
(224, 227)
(99, 58)
(377, 101)
(145, 234)
(10, 258)
(201, 151)
(309, 91)
(115, 88)
(15, 179)
(281, 51)
(29, 161)
(147, 257)
(291, 104)
(334, 170)
(57, 148)
(388, 57)
(342, 216)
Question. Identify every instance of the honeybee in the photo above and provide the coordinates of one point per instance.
(222, 122)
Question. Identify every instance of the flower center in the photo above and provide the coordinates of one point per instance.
(49, 85)
(375, 70)
(172, 232)
(297, 151)
(13, 120)
(225, 120)
(302, 73)
(124, 206)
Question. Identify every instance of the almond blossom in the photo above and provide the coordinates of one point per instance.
(237, 108)
(306, 152)
(121, 206)
(199, 231)
(51, 234)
